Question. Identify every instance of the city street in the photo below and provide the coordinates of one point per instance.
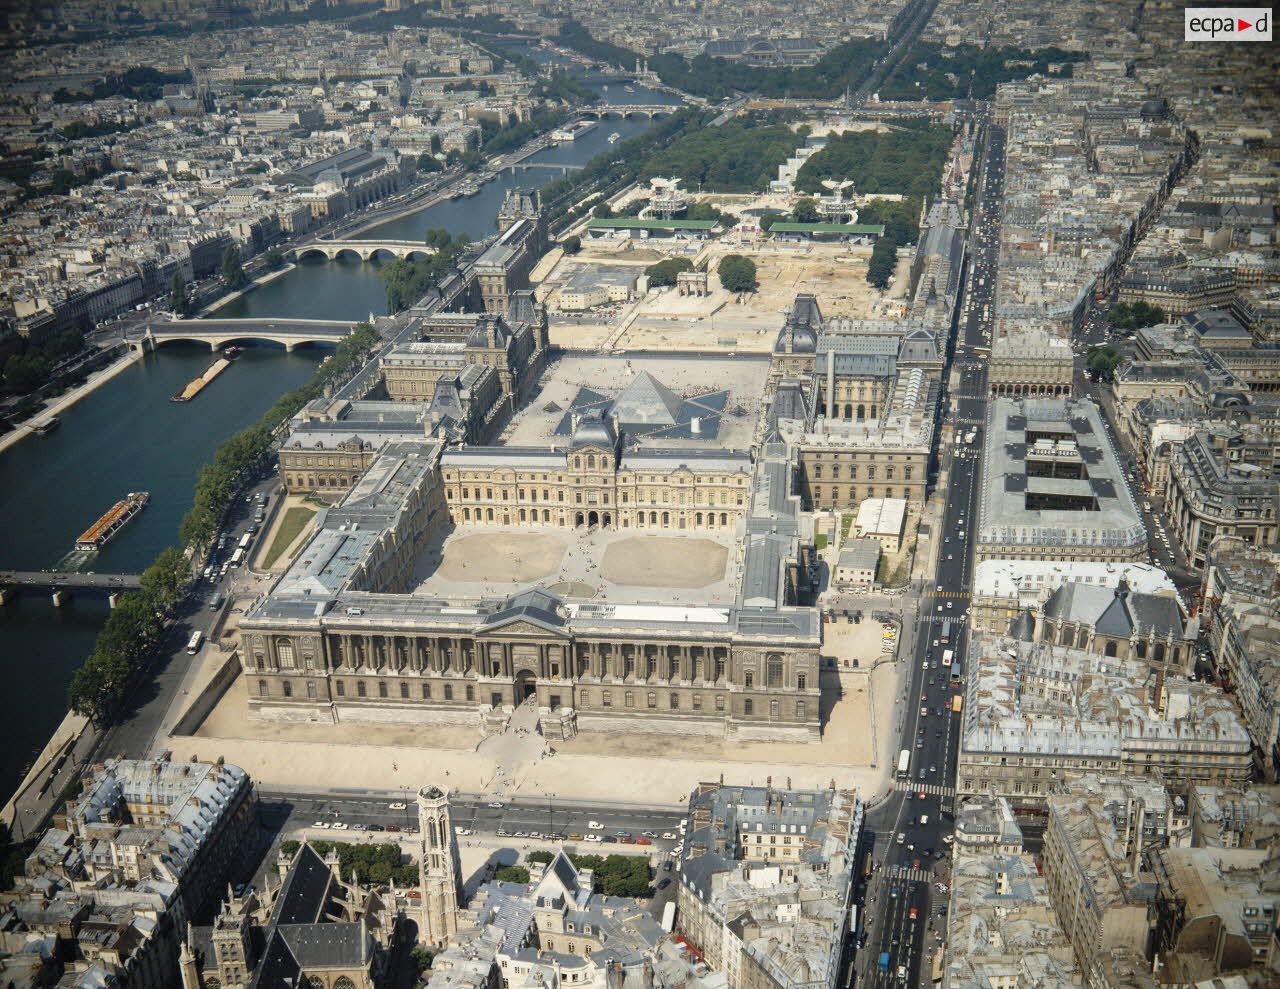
(902, 901)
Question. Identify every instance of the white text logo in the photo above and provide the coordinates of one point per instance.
(1227, 24)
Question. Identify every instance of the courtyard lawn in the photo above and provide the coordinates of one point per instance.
(294, 521)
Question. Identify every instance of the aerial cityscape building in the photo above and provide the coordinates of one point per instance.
(726, 495)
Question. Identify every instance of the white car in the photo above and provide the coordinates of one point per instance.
(669, 835)
(462, 831)
(339, 826)
(395, 806)
(592, 837)
(322, 825)
(594, 825)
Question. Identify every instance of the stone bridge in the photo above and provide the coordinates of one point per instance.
(365, 250)
(217, 333)
(622, 110)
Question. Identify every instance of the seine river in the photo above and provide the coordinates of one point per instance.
(127, 436)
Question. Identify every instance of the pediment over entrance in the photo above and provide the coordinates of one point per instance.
(518, 626)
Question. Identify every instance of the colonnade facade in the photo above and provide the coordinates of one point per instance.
(455, 675)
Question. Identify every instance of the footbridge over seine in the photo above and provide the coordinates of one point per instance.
(365, 250)
(217, 333)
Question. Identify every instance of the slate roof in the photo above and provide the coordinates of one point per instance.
(1117, 611)
(297, 937)
(593, 429)
(534, 605)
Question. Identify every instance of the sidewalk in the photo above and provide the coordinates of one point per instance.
(95, 380)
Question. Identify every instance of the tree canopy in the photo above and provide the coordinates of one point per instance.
(407, 281)
(615, 875)
(884, 257)
(664, 272)
(902, 162)
(737, 273)
(805, 211)
(232, 270)
(840, 68)
(937, 72)
(1102, 363)
(739, 156)
(1124, 316)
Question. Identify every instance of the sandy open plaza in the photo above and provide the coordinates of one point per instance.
(663, 319)
(657, 769)
(620, 566)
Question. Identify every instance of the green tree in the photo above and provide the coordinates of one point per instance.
(167, 578)
(232, 271)
(884, 257)
(512, 874)
(438, 237)
(571, 244)
(25, 373)
(428, 163)
(178, 301)
(901, 161)
(602, 211)
(664, 272)
(1102, 363)
(435, 144)
(422, 958)
(1124, 316)
(805, 211)
(737, 273)
(741, 155)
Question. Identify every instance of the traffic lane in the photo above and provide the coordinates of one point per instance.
(478, 817)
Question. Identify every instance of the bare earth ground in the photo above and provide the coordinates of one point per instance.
(664, 561)
(666, 320)
(607, 564)
(516, 556)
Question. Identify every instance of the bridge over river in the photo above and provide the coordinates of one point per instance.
(365, 250)
(62, 582)
(217, 333)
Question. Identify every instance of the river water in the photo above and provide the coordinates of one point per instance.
(350, 289)
(127, 436)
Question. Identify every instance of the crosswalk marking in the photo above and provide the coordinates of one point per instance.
(902, 874)
(946, 594)
(933, 789)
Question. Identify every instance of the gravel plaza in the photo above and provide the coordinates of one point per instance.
(618, 566)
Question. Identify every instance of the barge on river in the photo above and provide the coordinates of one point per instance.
(117, 516)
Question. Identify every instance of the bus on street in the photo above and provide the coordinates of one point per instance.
(904, 764)
(193, 643)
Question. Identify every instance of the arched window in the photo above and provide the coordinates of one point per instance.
(591, 462)
(1110, 649)
(1142, 650)
(315, 982)
(773, 670)
(748, 679)
(343, 983)
(284, 650)
(1159, 652)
